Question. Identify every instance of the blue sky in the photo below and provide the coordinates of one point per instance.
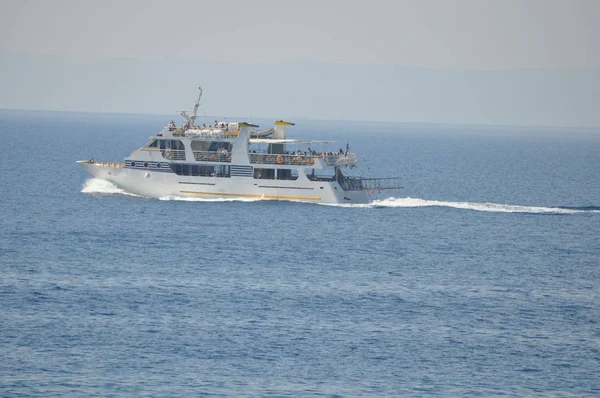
(526, 62)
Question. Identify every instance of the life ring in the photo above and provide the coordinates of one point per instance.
(279, 159)
(167, 154)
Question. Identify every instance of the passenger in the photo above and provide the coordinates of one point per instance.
(216, 124)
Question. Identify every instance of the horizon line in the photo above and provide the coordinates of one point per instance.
(528, 126)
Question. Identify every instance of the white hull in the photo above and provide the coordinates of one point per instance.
(160, 184)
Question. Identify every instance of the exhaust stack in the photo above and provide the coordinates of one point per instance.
(280, 126)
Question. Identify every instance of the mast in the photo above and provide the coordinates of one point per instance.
(192, 118)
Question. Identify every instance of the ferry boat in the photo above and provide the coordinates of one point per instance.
(236, 160)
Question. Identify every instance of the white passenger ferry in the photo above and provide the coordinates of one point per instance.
(234, 160)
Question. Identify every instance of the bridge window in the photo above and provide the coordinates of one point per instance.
(174, 145)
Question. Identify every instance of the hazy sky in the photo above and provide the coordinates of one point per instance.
(430, 33)
(476, 35)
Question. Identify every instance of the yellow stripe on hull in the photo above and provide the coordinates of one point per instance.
(252, 196)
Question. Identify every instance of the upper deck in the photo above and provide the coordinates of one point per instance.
(215, 145)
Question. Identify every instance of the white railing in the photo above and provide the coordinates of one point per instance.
(342, 159)
(211, 133)
(173, 154)
(265, 158)
(206, 156)
(107, 164)
(332, 159)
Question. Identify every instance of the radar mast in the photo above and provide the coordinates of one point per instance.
(192, 118)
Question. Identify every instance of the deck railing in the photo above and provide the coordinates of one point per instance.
(177, 154)
(108, 164)
(266, 158)
(332, 159)
(207, 156)
(341, 159)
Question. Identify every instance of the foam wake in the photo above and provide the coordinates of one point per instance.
(490, 207)
(103, 187)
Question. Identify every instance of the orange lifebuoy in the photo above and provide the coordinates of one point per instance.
(167, 154)
(279, 159)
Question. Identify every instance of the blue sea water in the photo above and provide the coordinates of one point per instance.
(481, 277)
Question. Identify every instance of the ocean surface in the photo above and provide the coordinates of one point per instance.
(481, 277)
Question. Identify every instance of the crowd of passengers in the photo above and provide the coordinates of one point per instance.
(186, 125)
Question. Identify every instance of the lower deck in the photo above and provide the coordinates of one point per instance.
(224, 181)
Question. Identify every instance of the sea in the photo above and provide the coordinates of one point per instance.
(481, 277)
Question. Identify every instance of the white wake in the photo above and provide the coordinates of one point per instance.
(490, 207)
(98, 186)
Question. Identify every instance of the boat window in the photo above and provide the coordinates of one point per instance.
(217, 146)
(194, 170)
(163, 144)
(222, 171)
(153, 144)
(176, 145)
(200, 146)
(319, 175)
(264, 174)
(287, 174)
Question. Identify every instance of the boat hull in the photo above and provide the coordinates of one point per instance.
(161, 184)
